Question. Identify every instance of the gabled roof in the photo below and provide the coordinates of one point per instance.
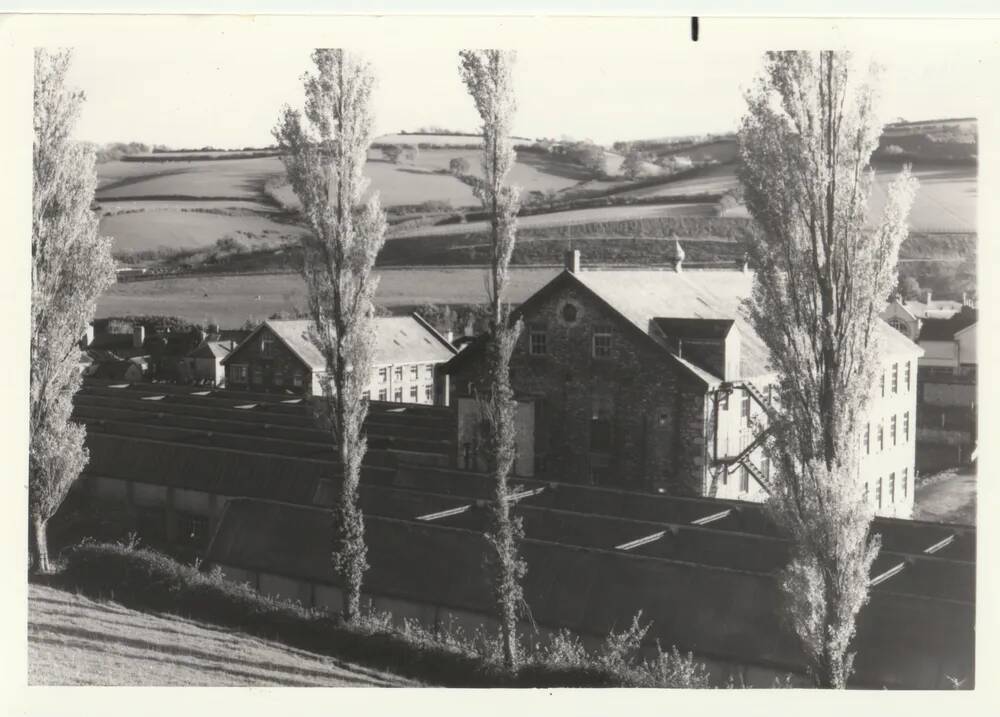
(213, 349)
(399, 339)
(935, 308)
(699, 300)
(945, 329)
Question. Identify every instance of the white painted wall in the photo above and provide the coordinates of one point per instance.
(967, 345)
(939, 353)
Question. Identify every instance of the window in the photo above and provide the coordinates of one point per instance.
(892, 429)
(906, 427)
(414, 371)
(569, 313)
(413, 394)
(900, 326)
(907, 375)
(895, 378)
(279, 377)
(878, 494)
(744, 480)
(367, 395)
(239, 373)
(382, 394)
(429, 370)
(267, 345)
(383, 374)
(883, 384)
(725, 476)
(399, 373)
(429, 393)
(724, 401)
(866, 492)
(600, 423)
(538, 343)
(192, 529)
(765, 468)
(892, 487)
(881, 438)
(745, 408)
(602, 344)
(258, 375)
(297, 379)
(903, 480)
(868, 439)
(397, 395)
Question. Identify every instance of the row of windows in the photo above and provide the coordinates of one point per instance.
(894, 373)
(240, 371)
(397, 394)
(383, 372)
(890, 485)
(538, 343)
(893, 433)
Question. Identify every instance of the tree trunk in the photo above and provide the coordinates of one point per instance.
(40, 546)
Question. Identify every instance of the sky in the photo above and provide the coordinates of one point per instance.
(230, 97)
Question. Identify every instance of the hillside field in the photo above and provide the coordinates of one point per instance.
(73, 640)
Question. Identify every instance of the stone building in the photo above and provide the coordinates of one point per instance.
(653, 380)
(279, 356)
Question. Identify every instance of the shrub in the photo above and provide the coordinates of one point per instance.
(147, 580)
(459, 166)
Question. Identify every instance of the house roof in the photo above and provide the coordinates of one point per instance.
(399, 339)
(695, 301)
(933, 309)
(213, 349)
(945, 329)
(694, 328)
(113, 369)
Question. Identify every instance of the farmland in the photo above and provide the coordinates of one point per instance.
(73, 640)
(232, 300)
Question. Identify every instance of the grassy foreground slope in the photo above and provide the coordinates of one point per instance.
(73, 640)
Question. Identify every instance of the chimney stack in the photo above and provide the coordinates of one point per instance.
(573, 261)
(88, 336)
(138, 336)
(678, 256)
(965, 298)
(927, 296)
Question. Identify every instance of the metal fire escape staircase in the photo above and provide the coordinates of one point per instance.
(742, 458)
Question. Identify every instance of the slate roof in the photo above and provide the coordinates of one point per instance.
(945, 329)
(399, 339)
(934, 309)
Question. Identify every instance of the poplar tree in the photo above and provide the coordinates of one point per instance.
(70, 267)
(824, 268)
(487, 76)
(324, 152)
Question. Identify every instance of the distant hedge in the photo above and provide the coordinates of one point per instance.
(147, 580)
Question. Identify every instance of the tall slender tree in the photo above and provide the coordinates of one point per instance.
(325, 157)
(487, 76)
(824, 268)
(70, 266)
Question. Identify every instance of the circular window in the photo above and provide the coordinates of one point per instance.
(569, 313)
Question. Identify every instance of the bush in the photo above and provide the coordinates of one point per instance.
(147, 580)
(459, 166)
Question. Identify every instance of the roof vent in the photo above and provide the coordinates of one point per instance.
(678, 256)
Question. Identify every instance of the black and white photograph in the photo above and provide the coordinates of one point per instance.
(499, 353)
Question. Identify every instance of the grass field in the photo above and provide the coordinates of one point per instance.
(231, 300)
(153, 228)
(73, 640)
(573, 216)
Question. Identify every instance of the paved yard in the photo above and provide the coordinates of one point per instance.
(947, 497)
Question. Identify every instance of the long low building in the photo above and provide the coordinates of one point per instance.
(253, 471)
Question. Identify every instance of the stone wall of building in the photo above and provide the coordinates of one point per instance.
(270, 365)
(607, 420)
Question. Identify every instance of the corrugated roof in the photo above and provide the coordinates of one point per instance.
(713, 611)
(399, 339)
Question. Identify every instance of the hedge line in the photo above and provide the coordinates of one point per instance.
(147, 580)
